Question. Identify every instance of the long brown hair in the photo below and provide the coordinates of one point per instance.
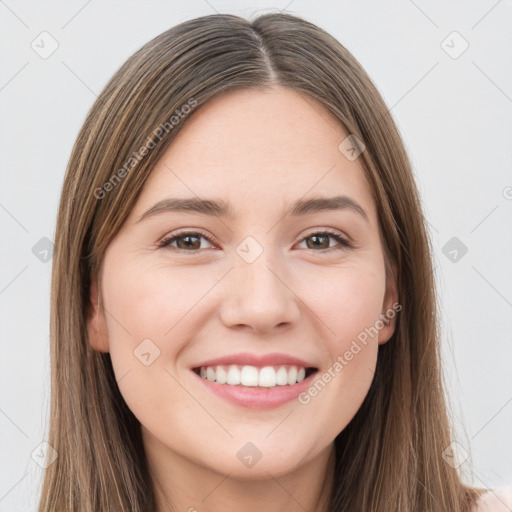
(389, 458)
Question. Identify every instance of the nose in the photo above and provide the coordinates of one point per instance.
(257, 297)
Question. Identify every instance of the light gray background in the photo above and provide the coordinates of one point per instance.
(454, 115)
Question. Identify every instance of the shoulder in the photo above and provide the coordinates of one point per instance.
(495, 500)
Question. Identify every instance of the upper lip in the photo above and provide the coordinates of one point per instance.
(247, 359)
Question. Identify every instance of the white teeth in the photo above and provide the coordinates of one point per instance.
(281, 376)
(267, 377)
(222, 375)
(251, 376)
(292, 375)
(248, 375)
(233, 375)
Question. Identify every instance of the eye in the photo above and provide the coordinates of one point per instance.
(185, 241)
(190, 241)
(321, 240)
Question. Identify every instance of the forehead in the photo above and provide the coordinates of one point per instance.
(257, 150)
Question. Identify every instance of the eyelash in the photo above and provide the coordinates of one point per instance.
(343, 243)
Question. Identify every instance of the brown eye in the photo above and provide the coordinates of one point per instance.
(321, 241)
(188, 242)
(191, 241)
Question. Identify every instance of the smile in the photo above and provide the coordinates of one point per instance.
(255, 387)
(253, 376)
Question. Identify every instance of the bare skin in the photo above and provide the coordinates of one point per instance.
(303, 296)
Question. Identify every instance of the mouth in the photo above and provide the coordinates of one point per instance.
(249, 376)
(255, 387)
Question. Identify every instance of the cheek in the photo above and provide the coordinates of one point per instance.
(152, 317)
(348, 304)
(346, 301)
(152, 304)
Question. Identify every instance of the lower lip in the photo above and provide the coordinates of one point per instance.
(256, 397)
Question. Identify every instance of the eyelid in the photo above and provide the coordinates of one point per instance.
(344, 242)
(186, 231)
(329, 231)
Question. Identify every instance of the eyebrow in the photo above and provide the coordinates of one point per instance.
(222, 209)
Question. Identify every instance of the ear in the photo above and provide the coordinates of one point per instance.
(390, 307)
(96, 325)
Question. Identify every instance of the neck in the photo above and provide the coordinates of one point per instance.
(182, 485)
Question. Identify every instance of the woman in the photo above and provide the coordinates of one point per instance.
(243, 305)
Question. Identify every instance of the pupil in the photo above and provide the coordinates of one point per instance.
(187, 244)
(316, 237)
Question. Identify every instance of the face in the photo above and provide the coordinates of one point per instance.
(269, 286)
